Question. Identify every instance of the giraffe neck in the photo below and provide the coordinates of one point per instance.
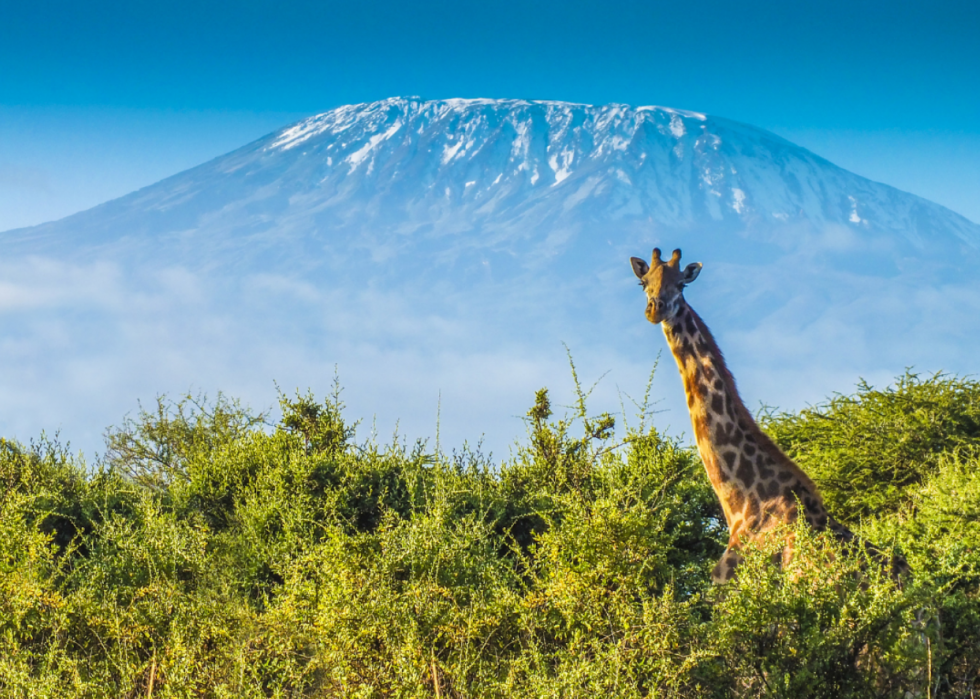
(758, 486)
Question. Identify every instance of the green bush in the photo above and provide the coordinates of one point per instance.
(870, 452)
(215, 553)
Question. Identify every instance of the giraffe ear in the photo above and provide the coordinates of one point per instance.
(640, 267)
(691, 273)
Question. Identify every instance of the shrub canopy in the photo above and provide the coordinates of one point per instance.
(215, 553)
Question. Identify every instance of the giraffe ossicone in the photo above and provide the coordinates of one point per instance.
(760, 488)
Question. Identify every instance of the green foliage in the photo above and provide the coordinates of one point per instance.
(215, 554)
(154, 448)
(825, 626)
(870, 451)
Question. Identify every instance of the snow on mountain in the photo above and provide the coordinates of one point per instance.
(503, 161)
(408, 169)
(447, 248)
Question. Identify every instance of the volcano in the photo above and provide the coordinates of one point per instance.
(440, 252)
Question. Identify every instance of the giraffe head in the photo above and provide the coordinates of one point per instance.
(664, 284)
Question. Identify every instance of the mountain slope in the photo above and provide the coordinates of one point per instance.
(508, 170)
(439, 254)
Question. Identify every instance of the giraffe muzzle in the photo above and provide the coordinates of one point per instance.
(655, 311)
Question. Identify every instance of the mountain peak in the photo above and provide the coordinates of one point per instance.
(480, 157)
(510, 169)
(452, 245)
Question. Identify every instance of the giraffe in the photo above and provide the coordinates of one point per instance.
(759, 487)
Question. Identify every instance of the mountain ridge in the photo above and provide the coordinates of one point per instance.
(275, 264)
(499, 167)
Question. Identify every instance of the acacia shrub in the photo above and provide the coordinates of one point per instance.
(870, 451)
(223, 555)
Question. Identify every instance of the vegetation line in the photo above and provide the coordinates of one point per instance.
(214, 552)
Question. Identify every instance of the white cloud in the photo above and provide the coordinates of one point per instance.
(84, 341)
(32, 283)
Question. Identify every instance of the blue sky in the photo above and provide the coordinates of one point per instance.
(102, 97)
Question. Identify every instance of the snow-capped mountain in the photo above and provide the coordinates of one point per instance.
(443, 250)
(518, 175)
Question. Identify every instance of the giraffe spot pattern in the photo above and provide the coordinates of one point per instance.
(717, 403)
(726, 433)
(745, 473)
(764, 462)
(736, 500)
(729, 457)
(768, 489)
